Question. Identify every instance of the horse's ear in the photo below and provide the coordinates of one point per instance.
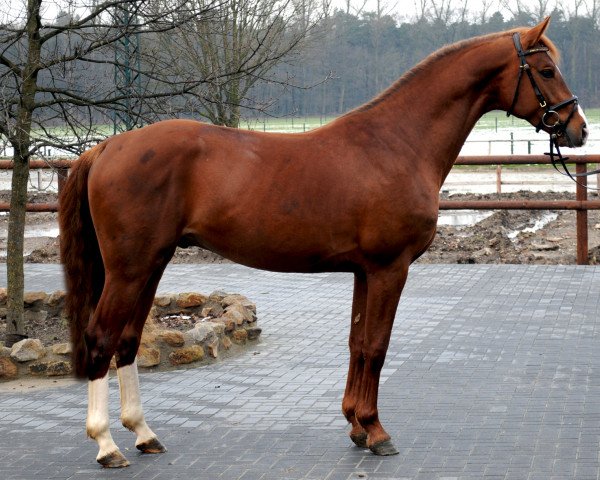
(532, 37)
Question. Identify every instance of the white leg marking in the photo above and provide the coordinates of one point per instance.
(132, 415)
(97, 424)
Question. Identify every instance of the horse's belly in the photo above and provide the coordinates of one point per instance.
(302, 254)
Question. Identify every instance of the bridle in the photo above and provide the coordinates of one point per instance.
(550, 118)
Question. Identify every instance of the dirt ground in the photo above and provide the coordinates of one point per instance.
(503, 237)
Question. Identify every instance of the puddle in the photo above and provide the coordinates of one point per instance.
(545, 219)
(462, 218)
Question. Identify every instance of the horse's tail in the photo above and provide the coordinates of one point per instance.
(80, 255)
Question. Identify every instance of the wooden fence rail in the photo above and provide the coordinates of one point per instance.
(581, 204)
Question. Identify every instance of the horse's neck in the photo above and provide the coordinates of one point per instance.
(427, 117)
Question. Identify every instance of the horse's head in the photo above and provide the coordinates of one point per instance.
(536, 91)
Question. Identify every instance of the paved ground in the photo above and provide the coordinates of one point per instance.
(493, 372)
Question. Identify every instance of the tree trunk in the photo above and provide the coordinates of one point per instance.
(21, 143)
(15, 326)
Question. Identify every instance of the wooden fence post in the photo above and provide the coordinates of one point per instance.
(582, 216)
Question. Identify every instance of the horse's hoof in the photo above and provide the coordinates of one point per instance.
(151, 446)
(384, 448)
(113, 460)
(359, 439)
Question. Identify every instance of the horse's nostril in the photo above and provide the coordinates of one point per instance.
(584, 131)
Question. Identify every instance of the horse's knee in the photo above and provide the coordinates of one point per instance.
(99, 353)
(127, 349)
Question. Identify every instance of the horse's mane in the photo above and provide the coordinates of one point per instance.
(449, 50)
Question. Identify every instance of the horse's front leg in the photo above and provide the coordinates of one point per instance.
(97, 424)
(383, 293)
(357, 362)
(132, 414)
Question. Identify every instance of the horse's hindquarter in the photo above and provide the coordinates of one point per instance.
(281, 202)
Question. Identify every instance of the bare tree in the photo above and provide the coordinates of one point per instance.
(237, 47)
(535, 10)
(484, 8)
(46, 102)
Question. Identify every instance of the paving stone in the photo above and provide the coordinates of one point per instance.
(492, 372)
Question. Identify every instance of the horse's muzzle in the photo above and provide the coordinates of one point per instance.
(574, 131)
(576, 135)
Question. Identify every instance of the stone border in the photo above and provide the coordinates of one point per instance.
(224, 322)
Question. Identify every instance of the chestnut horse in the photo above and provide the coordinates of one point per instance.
(358, 195)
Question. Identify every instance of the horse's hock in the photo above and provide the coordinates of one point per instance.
(222, 323)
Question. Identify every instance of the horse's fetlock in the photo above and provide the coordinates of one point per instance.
(131, 419)
(348, 407)
(96, 426)
(367, 416)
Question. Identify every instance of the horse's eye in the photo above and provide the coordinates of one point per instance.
(547, 73)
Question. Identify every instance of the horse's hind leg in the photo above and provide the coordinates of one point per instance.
(357, 361)
(132, 414)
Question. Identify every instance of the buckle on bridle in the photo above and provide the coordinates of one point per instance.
(550, 118)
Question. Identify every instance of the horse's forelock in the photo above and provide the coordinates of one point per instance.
(552, 49)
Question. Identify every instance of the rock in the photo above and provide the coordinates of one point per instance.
(253, 332)
(162, 301)
(217, 295)
(218, 327)
(2, 296)
(202, 332)
(226, 342)
(187, 300)
(212, 309)
(247, 314)
(236, 298)
(544, 247)
(173, 338)
(239, 336)
(8, 369)
(234, 315)
(51, 369)
(29, 298)
(56, 298)
(213, 348)
(149, 332)
(32, 317)
(28, 349)
(62, 348)
(148, 356)
(229, 323)
(60, 367)
(4, 351)
(185, 355)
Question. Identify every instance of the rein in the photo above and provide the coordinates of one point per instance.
(550, 118)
